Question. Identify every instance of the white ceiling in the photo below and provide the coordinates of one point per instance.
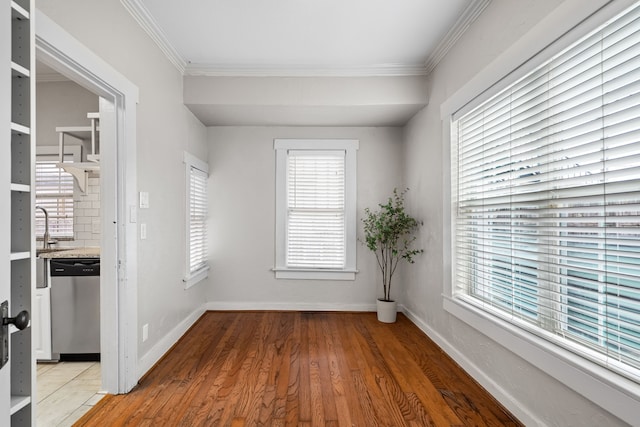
(307, 34)
(319, 38)
(305, 37)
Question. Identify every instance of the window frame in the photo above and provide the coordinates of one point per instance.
(52, 153)
(193, 277)
(350, 147)
(569, 22)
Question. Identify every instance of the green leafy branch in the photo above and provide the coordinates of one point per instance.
(389, 234)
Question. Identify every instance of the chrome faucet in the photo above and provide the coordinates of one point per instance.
(46, 243)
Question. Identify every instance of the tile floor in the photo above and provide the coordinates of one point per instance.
(65, 391)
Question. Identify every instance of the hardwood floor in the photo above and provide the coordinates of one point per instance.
(302, 369)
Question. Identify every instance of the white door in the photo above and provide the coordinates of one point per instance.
(16, 209)
(5, 192)
(5, 263)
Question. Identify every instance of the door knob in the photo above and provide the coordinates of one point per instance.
(21, 321)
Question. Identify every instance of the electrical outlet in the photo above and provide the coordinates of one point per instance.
(145, 332)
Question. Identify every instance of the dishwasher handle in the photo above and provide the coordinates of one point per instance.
(75, 267)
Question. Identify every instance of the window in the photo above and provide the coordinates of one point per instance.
(196, 218)
(315, 209)
(54, 192)
(546, 179)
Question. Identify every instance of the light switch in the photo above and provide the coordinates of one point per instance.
(133, 214)
(144, 200)
(143, 231)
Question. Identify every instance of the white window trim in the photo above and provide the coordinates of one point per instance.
(350, 146)
(569, 22)
(190, 279)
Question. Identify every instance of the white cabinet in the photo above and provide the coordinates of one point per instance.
(41, 324)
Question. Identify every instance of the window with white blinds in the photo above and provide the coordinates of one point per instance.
(316, 207)
(546, 186)
(197, 210)
(54, 192)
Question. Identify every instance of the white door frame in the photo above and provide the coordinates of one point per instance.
(118, 288)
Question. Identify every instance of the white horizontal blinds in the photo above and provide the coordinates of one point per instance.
(54, 192)
(548, 198)
(197, 219)
(315, 209)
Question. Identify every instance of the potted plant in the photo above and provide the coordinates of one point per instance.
(389, 233)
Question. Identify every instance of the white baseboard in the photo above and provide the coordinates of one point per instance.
(152, 356)
(514, 406)
(287, 306)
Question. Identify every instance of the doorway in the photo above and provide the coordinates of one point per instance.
(118, 290)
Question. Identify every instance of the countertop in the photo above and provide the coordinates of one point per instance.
(88, 252)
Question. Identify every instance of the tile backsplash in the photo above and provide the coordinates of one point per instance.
(86, 215)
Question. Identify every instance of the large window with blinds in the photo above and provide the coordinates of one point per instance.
(54, 193)
(197, 174)
(546, 191)
(316, 208)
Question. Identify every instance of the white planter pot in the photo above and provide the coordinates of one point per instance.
(387, 311)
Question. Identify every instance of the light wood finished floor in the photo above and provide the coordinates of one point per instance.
(302, 369)
(66, 391)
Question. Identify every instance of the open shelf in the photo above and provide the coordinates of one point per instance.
(80, 132)
(19, 71)
(15, 256)
(18, 12)
(17, 128)
(23, 188)
(19, 402)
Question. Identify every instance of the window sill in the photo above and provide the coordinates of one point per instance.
(196, 277)
(301, 274)
(605, 388)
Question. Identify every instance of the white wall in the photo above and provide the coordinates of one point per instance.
(61, 103)
(165, 128)
(242, 162)
(305, 101)
(533, 395)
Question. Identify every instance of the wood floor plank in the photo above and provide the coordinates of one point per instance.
(369, 369)
(302, 369)
(404, 369)
(293, 386)
(318, 415)
(344, 354)
(336, 374)
(462, 393)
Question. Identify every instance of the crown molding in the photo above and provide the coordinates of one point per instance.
(219, 70)
(469, 15)
(142, 16)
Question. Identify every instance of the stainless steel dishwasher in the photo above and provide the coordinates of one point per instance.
(75, 309)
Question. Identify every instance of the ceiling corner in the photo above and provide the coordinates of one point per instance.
(468, 16)
(142, 16)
